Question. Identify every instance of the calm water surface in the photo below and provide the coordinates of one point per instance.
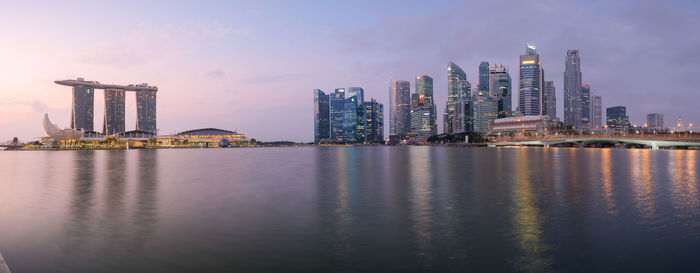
(351, 209)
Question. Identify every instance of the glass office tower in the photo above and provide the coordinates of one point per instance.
(501, 89)
(585, 107)
(456, 78)
(337, 100)
(83, 107)
(400, 110)
(549, 100)
(322, 129)
(114, 112)
(617, 119)
(572, 89)
(146, 111)
(530, 96)
(484, 77)
(374, 112)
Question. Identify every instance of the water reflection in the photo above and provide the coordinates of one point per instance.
(78, 226)
(527, 221)
(112, 221)
(606, 171)
(421, 203)
(682, 167)
(644, 190)
(145, 216)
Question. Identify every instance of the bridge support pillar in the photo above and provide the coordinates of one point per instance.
(654, 145)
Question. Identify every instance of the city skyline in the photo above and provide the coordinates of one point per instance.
(199, 58)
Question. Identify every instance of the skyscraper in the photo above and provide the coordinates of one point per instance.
(361, 123)
(617, 119)
(422, 123)
(597, 113)
(375, 121)
(484, 77)
(400, 110)
(82, 114)
(530, 96)
(463, 120)
(146, 111)
(572, 89)
(585, 107)
(485, 109)
(114, 112)
(424, 86)
(456, 79)
(655, 121)
(501, 89)
(350, 120)
(337, 106)
(322, 129)
(550, 100)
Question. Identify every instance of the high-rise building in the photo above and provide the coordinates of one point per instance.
(531, 74)
(549, 100)
(82, 114)
(361, 123)
(400, 110)
(337, 100)
(655, 121)
(596, 113)
(617, 119)
(501, 88)
(585, 107)
(424, 86)
(422, 123)
(146, 111)
(322, 128)
(114, 112)
(463, 120)
(572, 89)
(375, 121)
(455, 92)
(485, 109)
(484, 77)
(350, 120)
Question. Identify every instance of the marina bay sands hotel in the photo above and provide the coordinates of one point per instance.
(82, 114)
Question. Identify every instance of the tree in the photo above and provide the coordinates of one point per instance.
(253, 141)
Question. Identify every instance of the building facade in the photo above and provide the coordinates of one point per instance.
(400, 110)
(585, 108)
(424, 86)
(114, 122)
(655, 121)
(322, 125)
(361, 122)
(572, 89)
(485, 109)
(501, 88)
(617, 120)
(456, 78)
(350, 120)
(337, 101)
(596, 113)
(522, 126)
(83, 105)
(375, 121)
(530, 87)
(549, 107)
(146, 111)
(484, 82)
(422, 122)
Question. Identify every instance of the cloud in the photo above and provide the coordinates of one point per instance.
(218, 73)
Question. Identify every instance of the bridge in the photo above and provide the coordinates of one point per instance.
(648, 142)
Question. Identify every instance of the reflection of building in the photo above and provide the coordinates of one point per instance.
(617, 119)
(321, 116)
(523, 125)
(58, 134)
(82, 116)
(530, 96)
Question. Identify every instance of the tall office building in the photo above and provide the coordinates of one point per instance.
(485, 109)
(146, 111)
(572, 89)
(361, 123)
(422, 116)
(114, 112)
(322, 125)
(549, 107)
(350, 120)
(337, 100)
(531, 74)
(424, 86)
(484, 77)
(501, 88)
(585, 107)
(400, 110)
(456, 79)
(617, 119)
(596, 113)
(82, 114)
(655, 121)
(463, 117)
(375, 121)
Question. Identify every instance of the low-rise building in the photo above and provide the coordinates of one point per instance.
(522, 126)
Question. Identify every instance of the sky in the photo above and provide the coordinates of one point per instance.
(252, 66)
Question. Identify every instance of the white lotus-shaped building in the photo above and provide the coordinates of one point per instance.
(60, 134)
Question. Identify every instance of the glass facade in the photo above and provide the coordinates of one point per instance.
(375, 121)
(501, 88)
(337, 106)
(146, 111)
(585, 107)
(596, 113)
(400, 110)
(83, 107)
(422, 122)
(617, 119)
(361, 123)
(484, 77)
(322, 129)
(655, 121)
(549, 100)
(530, 96)
(485, 110)
(350, 120)
(572, 89)
(455, 93)
(114, 122)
